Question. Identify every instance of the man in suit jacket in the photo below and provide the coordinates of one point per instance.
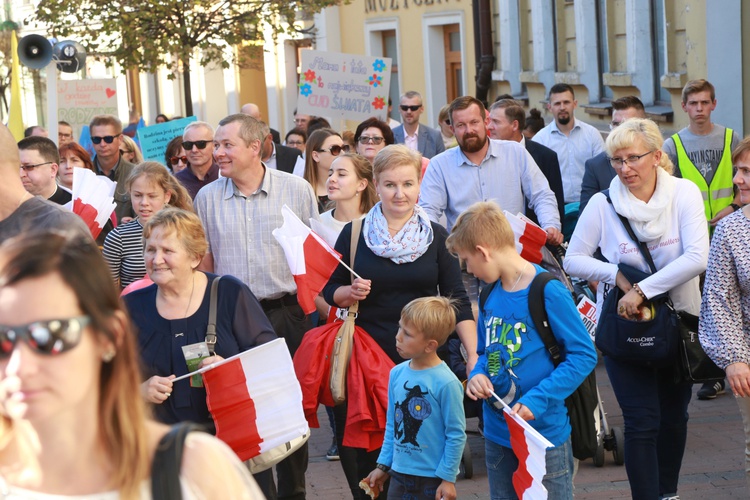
(422, 138)
(507, 122)
(276, 156)
(598, 173)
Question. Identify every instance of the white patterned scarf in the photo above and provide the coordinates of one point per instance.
(409, 244)
(648, 220)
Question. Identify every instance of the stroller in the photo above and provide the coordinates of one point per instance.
(608, 438)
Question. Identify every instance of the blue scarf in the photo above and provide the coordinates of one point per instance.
(409, 244)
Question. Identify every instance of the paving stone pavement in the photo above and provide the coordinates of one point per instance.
(713, 466)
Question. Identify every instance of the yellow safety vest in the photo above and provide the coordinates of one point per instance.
(720, 193)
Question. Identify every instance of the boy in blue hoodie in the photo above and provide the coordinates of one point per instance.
(425, 425)
(513, 361)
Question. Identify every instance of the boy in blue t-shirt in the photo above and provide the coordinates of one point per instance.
(513, 361)
(425, 426)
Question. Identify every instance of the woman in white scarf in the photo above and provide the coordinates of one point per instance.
(667, 214)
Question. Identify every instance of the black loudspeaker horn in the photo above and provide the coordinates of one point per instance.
(34, 51)
(69, 55)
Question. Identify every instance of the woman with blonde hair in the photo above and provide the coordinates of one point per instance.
(151, 188)
(666, 215)
(68, 363)
(130, 150)
(401, 256)
(322, 147)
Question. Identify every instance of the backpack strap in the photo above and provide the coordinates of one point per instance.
(165, 469)
(211, 328)
(539, 315)
(486, 291)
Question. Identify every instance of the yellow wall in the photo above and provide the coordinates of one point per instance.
(252, 88)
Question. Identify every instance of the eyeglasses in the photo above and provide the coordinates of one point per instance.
(107, 138)
(26, 168)
(49, 337)
(176, 159)
(335, 150)
(366, 139)
(125, 151)
(410, 108)
(294, 143)
(629, 161)
(188, 145)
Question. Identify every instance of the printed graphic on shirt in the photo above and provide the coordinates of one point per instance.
(506, 334)
(706, 160)
(409, 415)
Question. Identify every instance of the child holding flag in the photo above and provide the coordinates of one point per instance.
(425, 427)
(513, 362)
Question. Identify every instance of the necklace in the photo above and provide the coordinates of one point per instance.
(519, 277)
(191, 296)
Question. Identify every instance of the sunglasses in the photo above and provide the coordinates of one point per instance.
(49, 337)
(410, 108)
(335, 150)
(188, 145)
(366, 139)
(107, 138)
(176, 159)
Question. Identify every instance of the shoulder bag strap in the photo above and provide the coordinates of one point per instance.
(165, 468)
(629, 229)
(539, 315)
(211, 329)
(356, 232)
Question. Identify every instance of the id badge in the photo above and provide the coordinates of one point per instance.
(194, 354)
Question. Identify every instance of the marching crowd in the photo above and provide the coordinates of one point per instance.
(417, 216)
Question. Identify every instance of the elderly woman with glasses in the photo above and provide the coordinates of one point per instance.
(322, 147)
(176, 156)
(371, 136)
(666, 213)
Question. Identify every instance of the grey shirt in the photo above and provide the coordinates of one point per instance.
(705, 151)
(37, 214)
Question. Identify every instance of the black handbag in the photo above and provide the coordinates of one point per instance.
(165, 469)
(695, 365)
(653, 342)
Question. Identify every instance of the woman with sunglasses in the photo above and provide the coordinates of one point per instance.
(371, 136)
(151, 188)
(70, 375)
(322, 147)
(130, 150)
(176, 156)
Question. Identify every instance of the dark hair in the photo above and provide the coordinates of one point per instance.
(316, 123)
(627, 102)
(534, 121)
(80, 152)
(162, 115)
(464, 102)
(62, 122)
(559, 88)
(314, 143)
(173, 148)
(503, 97)
(79, 263)
(46, 147)
(296, 131)
(374, 122)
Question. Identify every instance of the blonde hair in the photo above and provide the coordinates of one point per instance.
(482, 224)
(132, 146)
(638, 129)
(433, 317)
(394, 156)
(186, 225)
(159, 175)
(314, 142)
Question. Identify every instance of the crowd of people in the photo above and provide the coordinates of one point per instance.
(423, 209)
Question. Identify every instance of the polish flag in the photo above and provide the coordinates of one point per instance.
(530, 238)
(311, 260)
(93, 199)
(256, 400)
(530, 449)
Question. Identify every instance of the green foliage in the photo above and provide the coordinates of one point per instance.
(143, 34)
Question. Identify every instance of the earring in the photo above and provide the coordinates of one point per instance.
(109, 355)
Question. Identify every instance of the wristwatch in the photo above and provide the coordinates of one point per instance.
(735, 206)
(384, 468)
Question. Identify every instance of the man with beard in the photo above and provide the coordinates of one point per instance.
(483, 169)
(573, 140)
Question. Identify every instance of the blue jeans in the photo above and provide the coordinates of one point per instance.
(502, 463)
(654, 409)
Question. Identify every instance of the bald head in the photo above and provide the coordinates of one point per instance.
(10, 160)
(251, 109)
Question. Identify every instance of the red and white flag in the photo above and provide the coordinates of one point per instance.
(530, 238)
(256, 400)
(93, 198)
(310, 258)
(530, 448)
